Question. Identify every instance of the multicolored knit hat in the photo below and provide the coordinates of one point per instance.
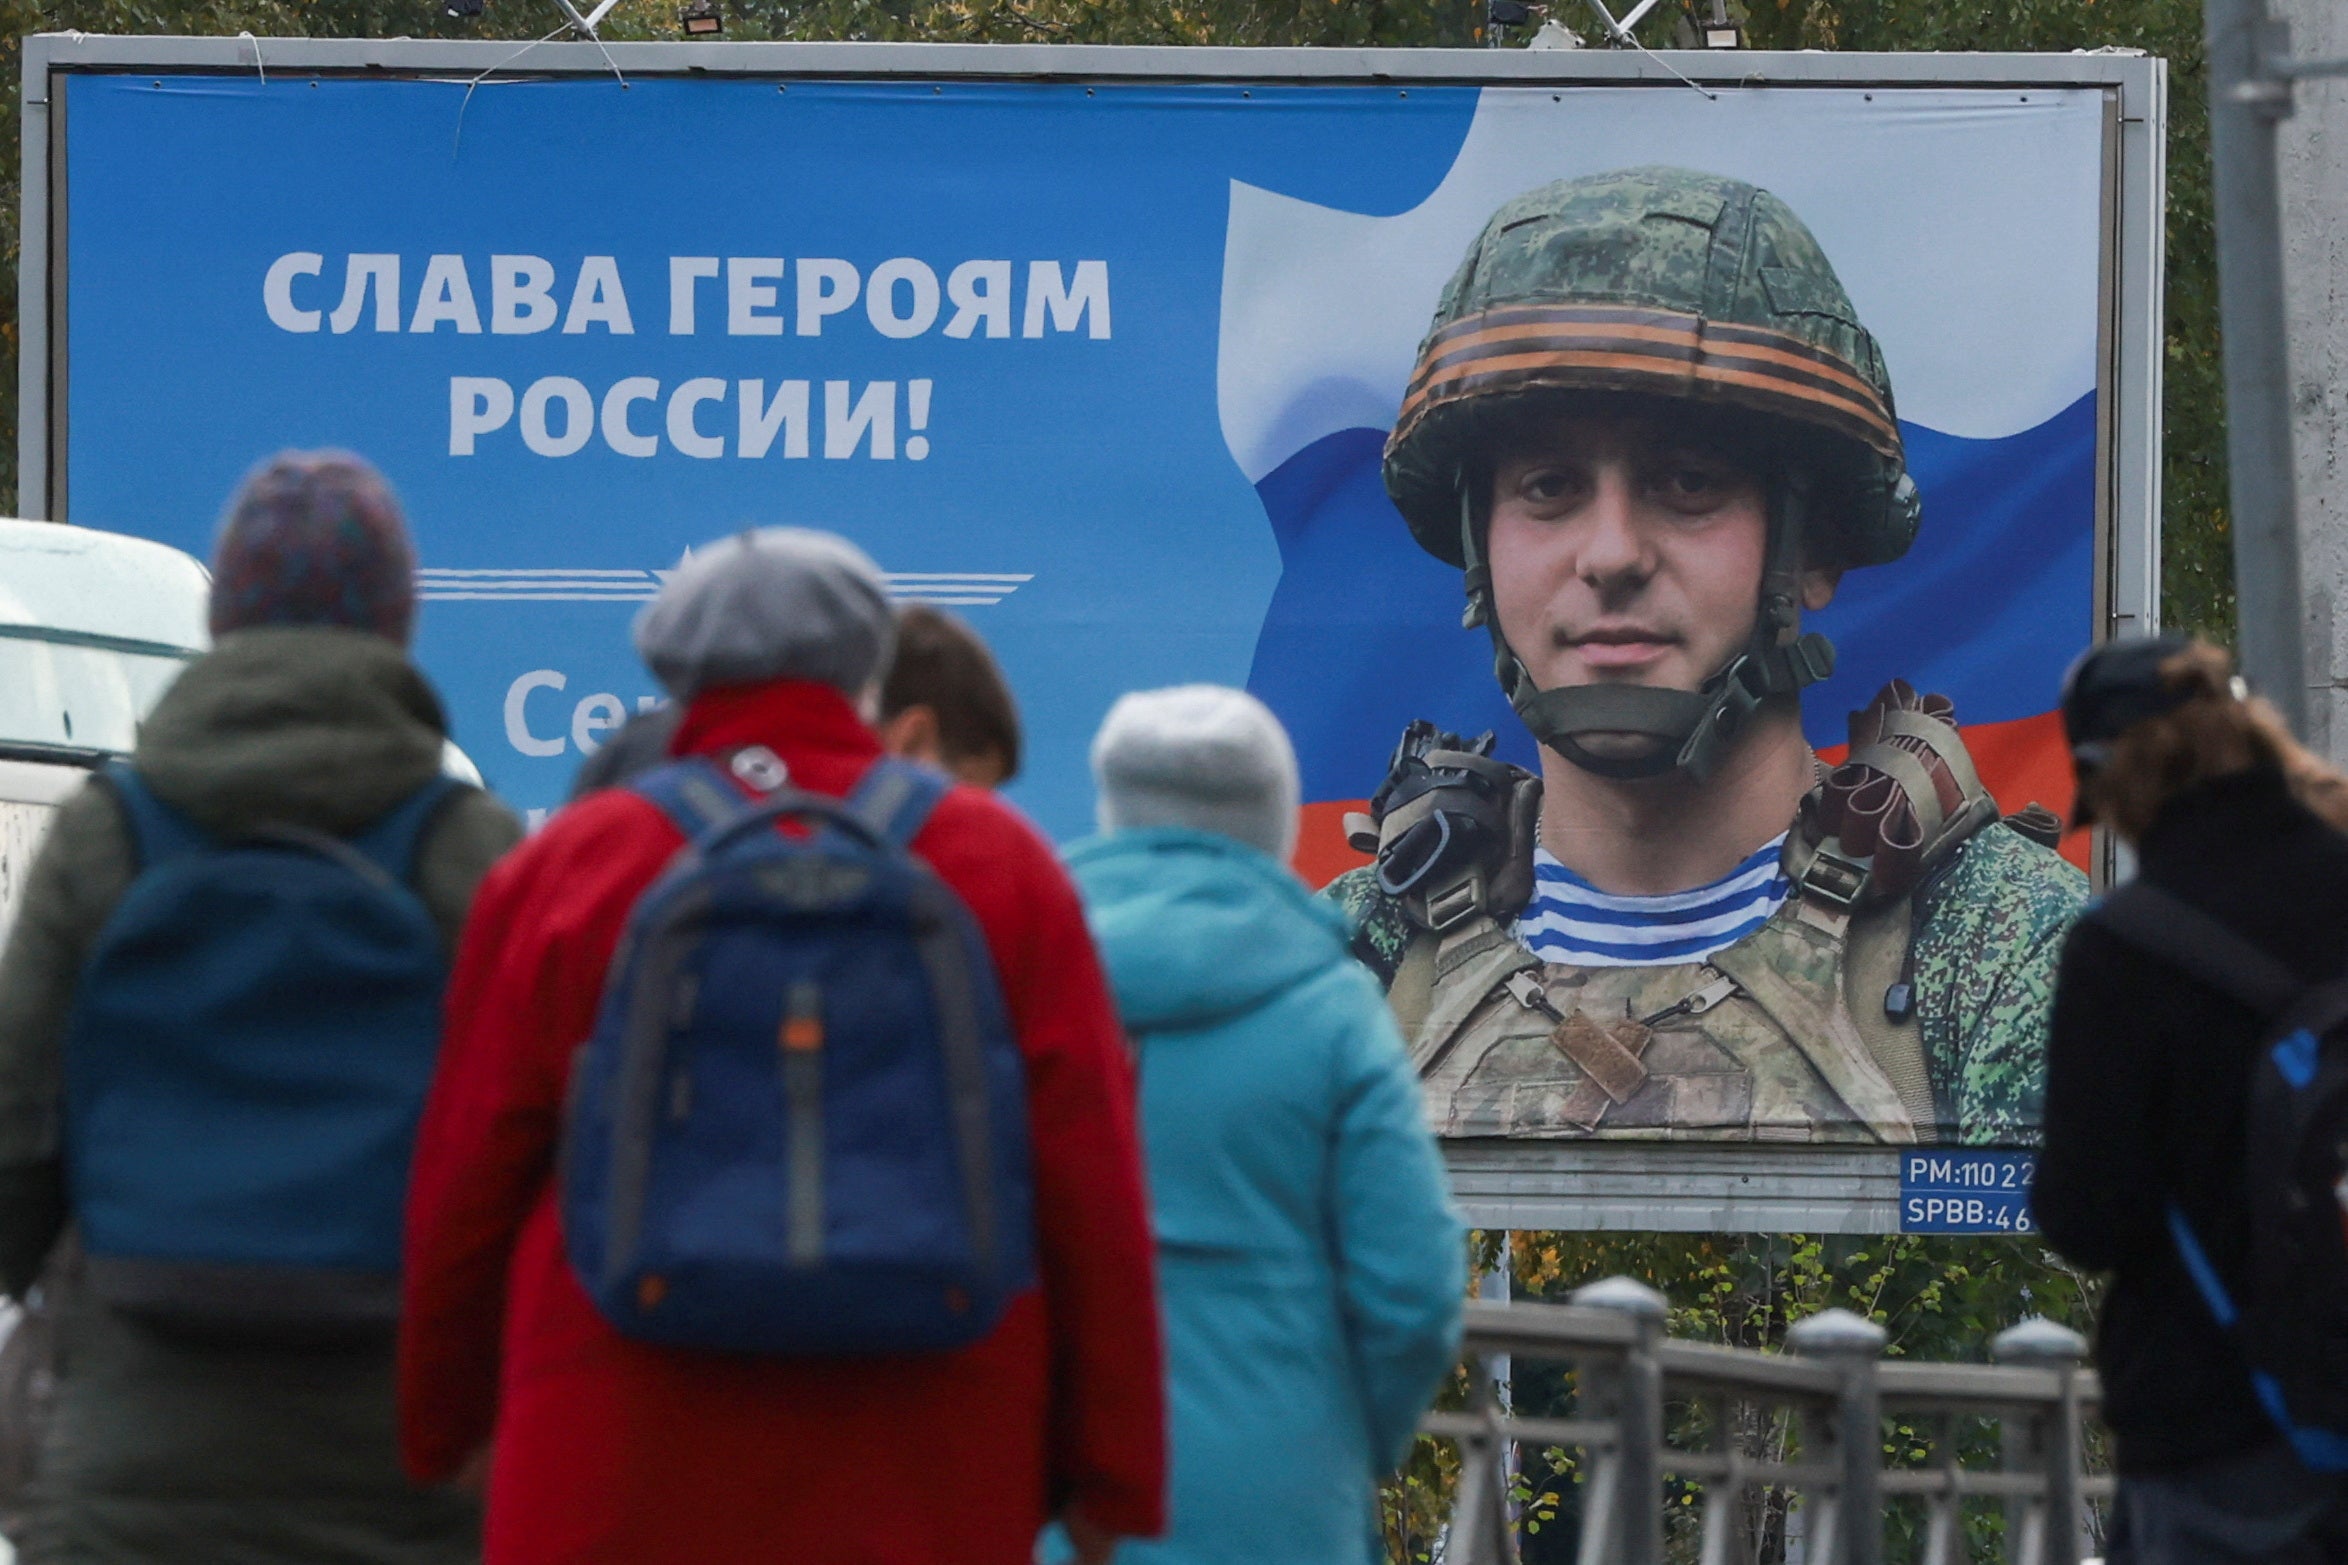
(315, 538)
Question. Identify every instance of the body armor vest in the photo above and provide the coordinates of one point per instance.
(1760, 1042)
(1804, 1030)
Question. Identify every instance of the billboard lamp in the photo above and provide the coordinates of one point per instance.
(1499, 14)
(701, 18)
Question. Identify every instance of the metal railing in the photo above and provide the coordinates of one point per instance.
(1835, 1389)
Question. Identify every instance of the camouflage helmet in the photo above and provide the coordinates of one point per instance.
(1672, 284)
(1669, 286)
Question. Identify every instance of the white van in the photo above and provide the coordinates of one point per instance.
(93, 627)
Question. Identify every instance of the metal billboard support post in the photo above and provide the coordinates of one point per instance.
(2048, 1440)
(1854, 1429)
(1499, 1285)
(1632, 1395)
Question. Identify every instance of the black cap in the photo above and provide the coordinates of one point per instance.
(2110, 689)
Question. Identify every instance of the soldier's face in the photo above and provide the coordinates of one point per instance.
(1624, 552)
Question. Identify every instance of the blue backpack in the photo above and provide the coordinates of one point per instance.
(251, 1043)
(800, 1125)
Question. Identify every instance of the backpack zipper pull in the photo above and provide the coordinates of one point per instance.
(803, 1020)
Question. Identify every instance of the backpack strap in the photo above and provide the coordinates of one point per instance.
(395, 840)
(390, 844)
(695, 794)
(895, 798)
(2166, 926)
(157, 831)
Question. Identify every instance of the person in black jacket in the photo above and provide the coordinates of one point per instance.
(2148, 1081)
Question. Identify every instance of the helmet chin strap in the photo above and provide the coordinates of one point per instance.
(1693, 731)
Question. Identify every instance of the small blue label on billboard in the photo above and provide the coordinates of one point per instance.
(1966, 1192)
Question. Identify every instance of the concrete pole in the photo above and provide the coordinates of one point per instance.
(2246, 102)
(2313, 182)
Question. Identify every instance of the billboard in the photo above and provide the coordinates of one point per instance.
(1131, 365)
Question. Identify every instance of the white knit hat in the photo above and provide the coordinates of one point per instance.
(1203, 756)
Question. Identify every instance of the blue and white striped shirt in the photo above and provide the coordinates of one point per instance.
(1573, 923)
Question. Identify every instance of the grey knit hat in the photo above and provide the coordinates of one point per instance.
(1203, 756)
(770, 603)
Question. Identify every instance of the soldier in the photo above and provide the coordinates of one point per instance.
(1648, 426)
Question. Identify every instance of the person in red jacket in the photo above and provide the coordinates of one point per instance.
(597, 1448)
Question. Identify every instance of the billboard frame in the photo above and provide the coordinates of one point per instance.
(1500, 1184)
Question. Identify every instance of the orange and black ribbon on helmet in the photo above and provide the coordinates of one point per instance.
(1664, 353)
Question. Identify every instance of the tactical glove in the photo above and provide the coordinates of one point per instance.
(1453, 830)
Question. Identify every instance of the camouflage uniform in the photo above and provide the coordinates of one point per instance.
(1900, 994)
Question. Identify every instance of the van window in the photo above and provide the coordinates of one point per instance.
(71, 694)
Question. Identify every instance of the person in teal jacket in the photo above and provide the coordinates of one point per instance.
(1311, 1263)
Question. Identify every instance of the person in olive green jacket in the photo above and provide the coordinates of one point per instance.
(306, 713)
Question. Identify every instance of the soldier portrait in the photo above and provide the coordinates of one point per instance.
(1649, 429)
